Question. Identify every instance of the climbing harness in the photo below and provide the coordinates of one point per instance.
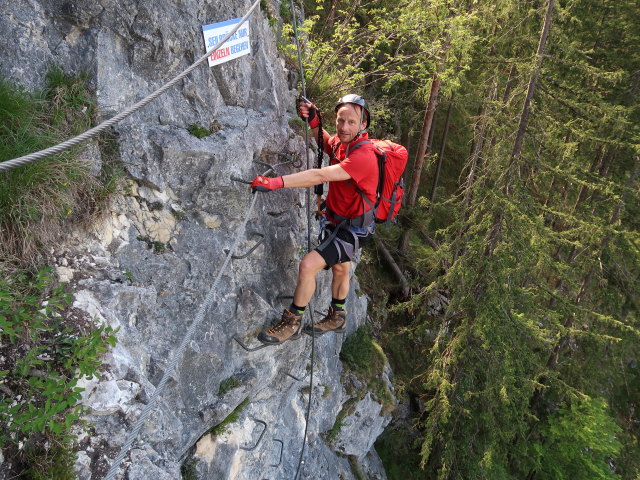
(17, 162)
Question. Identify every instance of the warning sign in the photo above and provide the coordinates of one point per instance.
(236, 46)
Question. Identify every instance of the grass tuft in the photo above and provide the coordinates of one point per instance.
(39, 200)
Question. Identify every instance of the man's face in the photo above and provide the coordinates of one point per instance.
(348, 122)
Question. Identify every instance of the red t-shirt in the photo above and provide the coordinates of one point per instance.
(362, 166)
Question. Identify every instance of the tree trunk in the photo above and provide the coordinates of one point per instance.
(496, 230)
(429, 113)
(526, 108)
(445, 133)
(423, 146)
(394, 268)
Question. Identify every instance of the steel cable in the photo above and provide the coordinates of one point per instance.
(17, 162)
(310, 307)
(180, 350)
(177, 356)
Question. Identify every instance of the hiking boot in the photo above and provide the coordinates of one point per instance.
(287, 329)
(335, 321)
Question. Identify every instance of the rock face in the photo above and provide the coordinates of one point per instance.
(148, 264)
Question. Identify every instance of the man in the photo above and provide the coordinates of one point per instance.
(352, 177)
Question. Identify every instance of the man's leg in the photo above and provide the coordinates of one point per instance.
(310, 266)
(340, 281)
(336, 318)
(291, 322)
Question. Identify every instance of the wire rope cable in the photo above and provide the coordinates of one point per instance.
(206, 304)
(306, 149)
(17, 162)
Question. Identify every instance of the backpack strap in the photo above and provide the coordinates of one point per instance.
(368, 216)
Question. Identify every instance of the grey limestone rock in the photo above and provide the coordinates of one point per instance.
(146, 265)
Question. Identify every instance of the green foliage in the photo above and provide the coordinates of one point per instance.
(399, 454)
(362, 353)
(578, 441)
(326, 391)
(159, 247)
(534, 247)
(188, 470)
(228, 384)
(231, 418)
(355, 468)
(43, 360)
(129, 275)
(198, 131)
(347, 408)
(39, 200)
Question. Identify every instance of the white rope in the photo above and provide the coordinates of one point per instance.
(17, 162)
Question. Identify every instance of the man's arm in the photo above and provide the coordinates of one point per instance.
(306, 178)
(305, 112)
(315, 176)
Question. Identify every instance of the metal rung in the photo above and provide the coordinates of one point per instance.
(236, 179)
(248, 449)
(288, 374)
(269, 167)
(245, 255)
(249, 349)
(281, 450)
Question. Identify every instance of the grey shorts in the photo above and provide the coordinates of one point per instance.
(343, 246)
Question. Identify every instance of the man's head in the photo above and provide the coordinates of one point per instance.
(352, 117)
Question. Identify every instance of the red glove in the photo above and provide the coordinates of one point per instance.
(307, 112)
(266, 184)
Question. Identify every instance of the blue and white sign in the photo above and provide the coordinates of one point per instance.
(236, 46)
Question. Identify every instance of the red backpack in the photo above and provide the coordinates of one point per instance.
(392, 159)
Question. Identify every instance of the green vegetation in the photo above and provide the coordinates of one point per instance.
(129, 275)
(156, 206)
(364, 356)
(44, 357)
(39, 200)
(355, 468)
(347, 408)
(198, 131)
(231, 418)
(159, 247)
(155, 245)
(522, 124)
(228, 384)
(178, 214)
(326, 391)
(201, 132)
(399, 454)
(188, 470)
(45, 350)
(297, 125)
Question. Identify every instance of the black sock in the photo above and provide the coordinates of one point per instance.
(296, 309)
(338, 304)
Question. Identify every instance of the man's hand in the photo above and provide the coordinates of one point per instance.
(266, 184)
(308, 112)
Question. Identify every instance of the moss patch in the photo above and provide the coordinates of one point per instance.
(228, 384)
(231, 418)
(364, 356)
